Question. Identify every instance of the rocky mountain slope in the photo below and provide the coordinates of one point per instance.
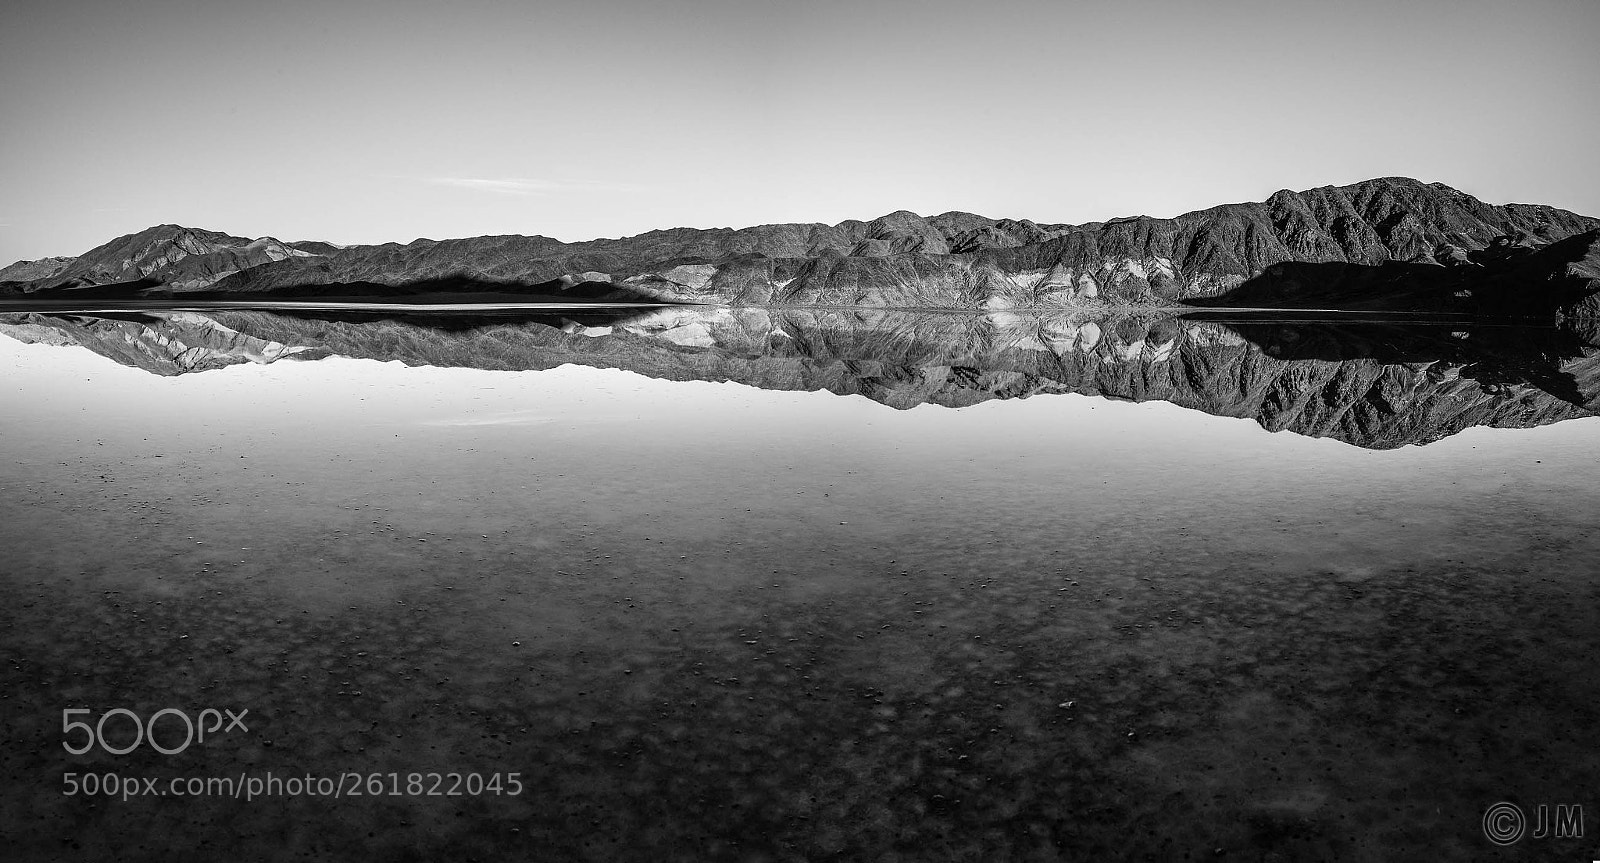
(34, 271)
(1385, 243)
(1370, 384)
(171, 257)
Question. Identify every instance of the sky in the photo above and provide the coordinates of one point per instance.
(362, 122)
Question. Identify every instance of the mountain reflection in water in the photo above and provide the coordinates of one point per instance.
(713, 622)
(1373, 383)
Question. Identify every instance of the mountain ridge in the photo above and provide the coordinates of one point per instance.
(1459, 244)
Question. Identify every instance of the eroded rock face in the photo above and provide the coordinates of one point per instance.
(953, 260)
(1374, 384)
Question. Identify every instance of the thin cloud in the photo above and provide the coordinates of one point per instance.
(526, 185)
(500, 186)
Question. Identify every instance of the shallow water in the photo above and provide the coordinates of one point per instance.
(706, 620)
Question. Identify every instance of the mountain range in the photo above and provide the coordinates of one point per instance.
(1370, 383)
(1392, 243)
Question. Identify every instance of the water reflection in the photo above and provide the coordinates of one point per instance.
(1374, 383)
(714, 622)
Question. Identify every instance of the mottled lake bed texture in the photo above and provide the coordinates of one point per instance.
(686, 584)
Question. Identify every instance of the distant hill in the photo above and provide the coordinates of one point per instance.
(1391, 243)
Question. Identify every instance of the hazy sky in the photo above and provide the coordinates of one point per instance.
(376, 121)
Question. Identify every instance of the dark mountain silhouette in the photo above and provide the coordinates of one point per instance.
(1392, 243)
(1374, 384)
(1512, 277)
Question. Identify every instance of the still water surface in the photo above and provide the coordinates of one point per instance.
(706, 620)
